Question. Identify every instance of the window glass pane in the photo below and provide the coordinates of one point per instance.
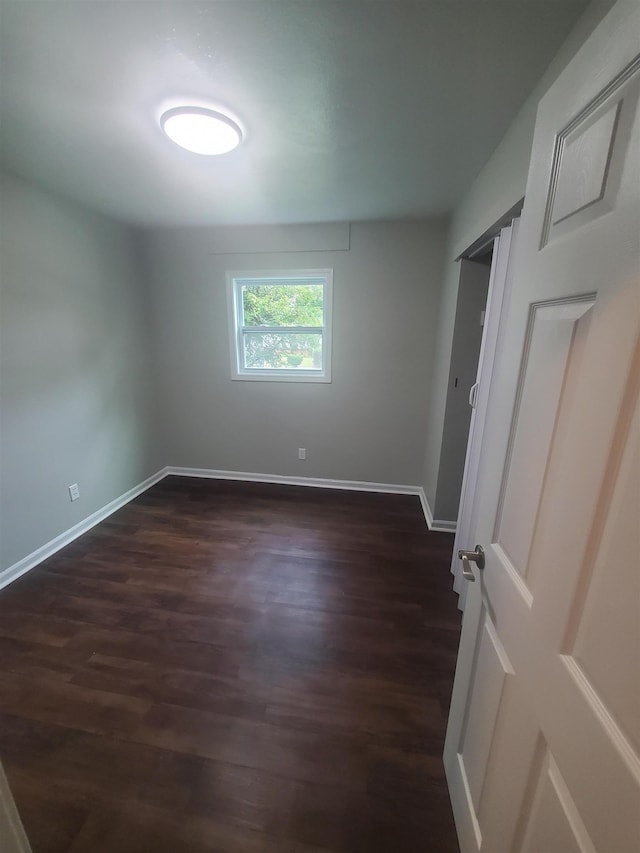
(283, 304)
(282, 350)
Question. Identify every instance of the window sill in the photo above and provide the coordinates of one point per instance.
(280, 377)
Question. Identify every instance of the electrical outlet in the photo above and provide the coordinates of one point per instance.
(74, 492)
(302, 453)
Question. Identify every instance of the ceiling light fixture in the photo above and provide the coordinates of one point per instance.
(201, 130)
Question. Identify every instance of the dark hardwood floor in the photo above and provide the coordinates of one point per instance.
(234, 667)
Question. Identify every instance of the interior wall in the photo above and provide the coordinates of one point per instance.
(499, 187)
(75, 381)
(465, 352)
(369, 423)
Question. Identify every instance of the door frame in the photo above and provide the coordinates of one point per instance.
(497, 299)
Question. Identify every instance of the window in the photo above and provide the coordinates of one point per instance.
(280, 325)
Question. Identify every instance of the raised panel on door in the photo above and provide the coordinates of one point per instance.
(550, 345)
(604, 623)
(590, 157)
(492, 668)
(553, 823)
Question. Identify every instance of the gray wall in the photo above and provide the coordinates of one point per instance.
(79, 300)
(498, 187)
(369, 422)
(74, 359)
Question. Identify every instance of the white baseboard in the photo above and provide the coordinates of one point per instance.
(436, 524)
(49, 548)
(444, 526)
(426, 509)
(277, 479)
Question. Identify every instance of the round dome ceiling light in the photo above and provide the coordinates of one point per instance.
(201, 130)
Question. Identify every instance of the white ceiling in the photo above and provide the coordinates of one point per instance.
(353, 109)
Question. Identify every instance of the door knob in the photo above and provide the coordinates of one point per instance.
(469, 557)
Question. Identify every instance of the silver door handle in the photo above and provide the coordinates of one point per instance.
(469, 557)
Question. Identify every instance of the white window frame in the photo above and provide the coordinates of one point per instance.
(235, 280)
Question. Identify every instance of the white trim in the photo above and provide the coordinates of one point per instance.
(13, 838)
(278, 479)
(49, 548)
(426, 509)
(236, 327)
(497, 297)
(441, 525)
(437, 525)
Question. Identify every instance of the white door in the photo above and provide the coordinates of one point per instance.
(12, 837)
(543, 745)
(499, 285)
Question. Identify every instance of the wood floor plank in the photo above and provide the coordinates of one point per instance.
(234, 667)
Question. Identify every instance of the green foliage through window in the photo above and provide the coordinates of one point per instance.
(284, 306)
